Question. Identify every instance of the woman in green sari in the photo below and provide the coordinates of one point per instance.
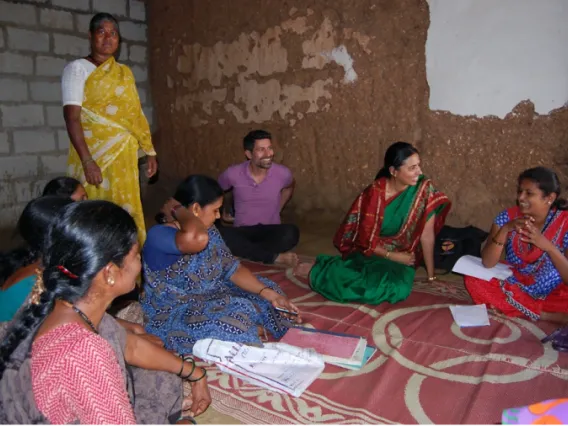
(389, 228)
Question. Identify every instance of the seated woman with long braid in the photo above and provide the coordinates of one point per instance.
(64, 360)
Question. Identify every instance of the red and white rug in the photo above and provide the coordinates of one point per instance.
(426, 369)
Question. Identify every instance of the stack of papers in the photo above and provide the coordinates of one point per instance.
(344, 350)
(276, 366)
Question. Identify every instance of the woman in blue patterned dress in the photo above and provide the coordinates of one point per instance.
(534, 237)
(194, 287)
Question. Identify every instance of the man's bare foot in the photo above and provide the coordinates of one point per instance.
(288, 258)
(303, 269)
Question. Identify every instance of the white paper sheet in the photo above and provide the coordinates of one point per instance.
(276, 366)
(472, 266)
(470, 315)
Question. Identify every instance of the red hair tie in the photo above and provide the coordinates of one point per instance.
(67, 272)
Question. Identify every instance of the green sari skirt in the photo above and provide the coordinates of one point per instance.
(362, 279)
(369, 279)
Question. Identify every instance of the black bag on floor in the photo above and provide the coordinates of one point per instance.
(453, 243)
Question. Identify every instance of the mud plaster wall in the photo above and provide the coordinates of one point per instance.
(335, 82)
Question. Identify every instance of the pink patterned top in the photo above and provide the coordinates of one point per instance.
(76, 377)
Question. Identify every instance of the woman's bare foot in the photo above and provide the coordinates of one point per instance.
(288, 258)
(262, 334)
(555, 317)
(303, 269)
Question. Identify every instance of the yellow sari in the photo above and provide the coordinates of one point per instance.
(114, 126)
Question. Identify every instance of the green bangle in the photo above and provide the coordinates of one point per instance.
(182, 365)
(201, 377)
(184, 360)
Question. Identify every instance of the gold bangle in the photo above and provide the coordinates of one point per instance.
(87, 161)
(434, 278)
(263, 288)
(387, 255)
(497, 243)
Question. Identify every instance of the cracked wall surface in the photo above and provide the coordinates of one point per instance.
(335, 82)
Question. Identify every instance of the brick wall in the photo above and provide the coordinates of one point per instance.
(37, 39)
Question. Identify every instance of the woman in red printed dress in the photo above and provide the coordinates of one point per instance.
(534, 237)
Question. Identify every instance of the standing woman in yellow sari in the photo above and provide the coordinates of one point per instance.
(105, 123)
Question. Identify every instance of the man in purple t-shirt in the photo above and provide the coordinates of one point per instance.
(260, 190)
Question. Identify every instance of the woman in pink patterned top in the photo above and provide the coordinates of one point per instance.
(81, 360)
(70, 355)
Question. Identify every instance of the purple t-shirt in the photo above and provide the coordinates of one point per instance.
(256, 203)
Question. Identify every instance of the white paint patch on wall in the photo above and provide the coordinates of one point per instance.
(341, 56)
(483, 57)
(232, 69)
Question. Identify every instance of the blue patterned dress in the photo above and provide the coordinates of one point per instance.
(536, 285)
(545, 275)
(191, 296)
